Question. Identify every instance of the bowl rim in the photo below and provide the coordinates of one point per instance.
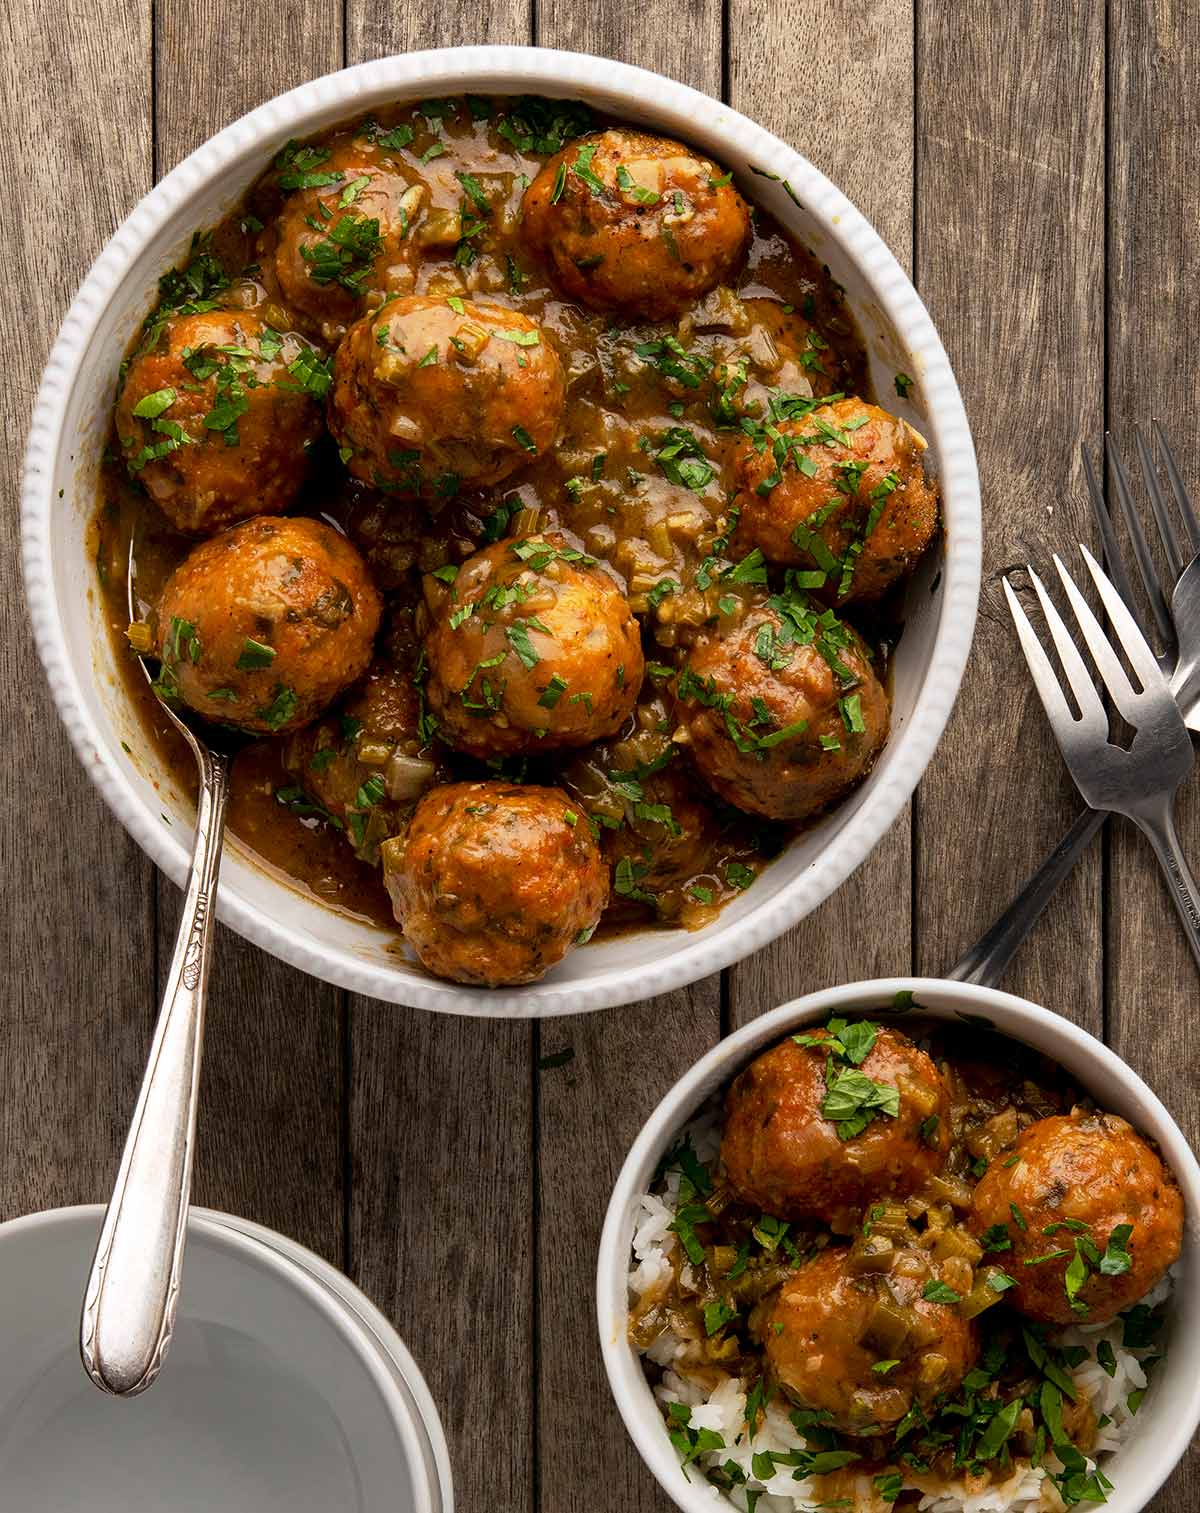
(256, 1245)
(1012, 1015)
(516, 70)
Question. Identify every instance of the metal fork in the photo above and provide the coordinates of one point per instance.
(1175, 610)
(1139, 782)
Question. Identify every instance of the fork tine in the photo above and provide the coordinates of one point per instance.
(1141, 549)
(1141, 658)
(1108, 535)
(1045, 679)
(1190, 519)
(1091, 708)
(1107, 662)
(1168, 535)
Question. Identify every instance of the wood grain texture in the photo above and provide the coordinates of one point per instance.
(266, 47)
(463, 1186)
(865, 64)
(78, 919)
(625, 1059)
(1154, 350)
(441, 1117)
(271, 1097)
(1010, 261)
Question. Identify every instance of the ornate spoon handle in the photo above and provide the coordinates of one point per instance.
(129, 1304)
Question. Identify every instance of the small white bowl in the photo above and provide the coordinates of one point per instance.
(1171, 1411)
(70, 426)
(285, 1390)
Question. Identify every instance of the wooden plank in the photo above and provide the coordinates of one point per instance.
(441, 1113)
(1010, 247)
(78, 903)
(864, 63)
(293, 40)
(273, 1084)
(1154, 313)
(624, 1059)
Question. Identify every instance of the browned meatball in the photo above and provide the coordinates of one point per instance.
(635, 223)
(829, 1326)
(368, 761)
(430, 393)
(781, 1152)
(839, 492)
(343, 229)
(656, 826)
(531, 647)
(783, 714)
(1081, 1211)
(262, 626)
(494, 883)
(217, 417)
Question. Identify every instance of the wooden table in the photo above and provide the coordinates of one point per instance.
(1036, 167)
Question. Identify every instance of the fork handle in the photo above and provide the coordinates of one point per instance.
(1157, 824)
(133, 1289)
(985, 962)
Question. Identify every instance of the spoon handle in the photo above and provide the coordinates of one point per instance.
(132, 1291)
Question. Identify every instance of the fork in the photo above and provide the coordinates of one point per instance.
(1139, 782)
(1176, 620)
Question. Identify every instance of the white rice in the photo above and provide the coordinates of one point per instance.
(723, 1409)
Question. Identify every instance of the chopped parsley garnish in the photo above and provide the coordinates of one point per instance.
(661, 590)
(738, 875)
(313, 373)
(626, 877)
(254, 654)
(716, 1315)
(280, 710)
(518, 636)
(151, 406)
(345, 253)
(582, 169)
(938, 1292)
(903, 385)
(683, 461)
(853, 1100)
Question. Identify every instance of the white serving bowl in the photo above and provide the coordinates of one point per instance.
(1171, 1410)
(70, 425)
(285, 1391)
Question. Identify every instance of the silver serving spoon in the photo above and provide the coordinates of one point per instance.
(133, 1288)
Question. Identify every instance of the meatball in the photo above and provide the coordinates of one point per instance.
(215, 420)
(782, 1154)
(656, 827)
(431, 393)
(839, 491)
(635, 223)
(494, 883)
(343, 230)
(263, 625)
(532, 647)
(367, 762)
(1083, 1214)
(784, 714)
(828, 1327)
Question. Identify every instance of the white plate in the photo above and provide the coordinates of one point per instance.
(70, 426)
(1171, 1411)
(275, 1397)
